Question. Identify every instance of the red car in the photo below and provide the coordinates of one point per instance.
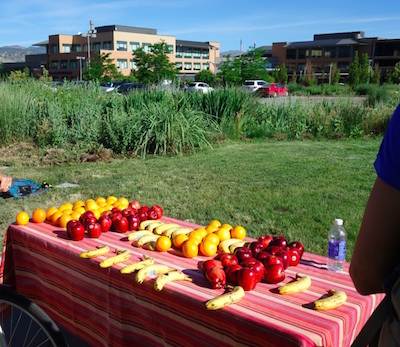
(273, 89)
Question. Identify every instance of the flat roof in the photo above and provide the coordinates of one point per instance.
(323, 43)
(126, 29)
(192, 44)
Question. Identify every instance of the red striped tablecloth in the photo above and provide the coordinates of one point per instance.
(105, 308)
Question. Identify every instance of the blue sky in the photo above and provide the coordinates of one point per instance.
(25, 23)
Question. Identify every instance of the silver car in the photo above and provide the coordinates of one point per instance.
(199, 87)
(253, 85)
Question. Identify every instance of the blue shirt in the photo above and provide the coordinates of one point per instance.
(387, 163)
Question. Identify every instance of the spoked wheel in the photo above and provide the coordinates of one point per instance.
(23, 323)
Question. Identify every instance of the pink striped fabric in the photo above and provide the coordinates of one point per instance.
(105, 308)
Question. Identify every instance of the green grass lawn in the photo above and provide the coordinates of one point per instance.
(292, 188)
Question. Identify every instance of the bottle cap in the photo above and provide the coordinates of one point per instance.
(338, 221)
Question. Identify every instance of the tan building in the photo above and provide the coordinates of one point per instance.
(69, 54)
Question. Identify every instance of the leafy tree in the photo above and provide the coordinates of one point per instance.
(365, 69)
(396, 73)
(282, 74)
(206, 76)
(155, 66)
(45, 76)
(354, 71)
(230, 71)
(18, 76)
(376, 75)
(102, 69)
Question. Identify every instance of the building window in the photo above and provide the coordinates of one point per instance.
(76, 48)
(196, 66)
(205, 55)
(343, 65)
(206, 66)
(188, 66)
(187, 53)
(179, 52)
(196, 53)
(178, 66)
(330, 52)
(64, 64)
(170, 49)
(66, 48)
(146, 47)
(133, 46)
(96, 46)
(73, 64)
(55, 65)
(132, 64)
(302, 53)
(344, 52)
(290, 54)
(108, 45)
(122, 64)
(54, 48)
(316, 53)
(122, 46)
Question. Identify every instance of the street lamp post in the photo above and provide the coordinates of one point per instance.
(91, 33)
(330, 73)
(80, 67)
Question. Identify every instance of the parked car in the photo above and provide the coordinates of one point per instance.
(199, 87)
(273, 89)
(110, 86)
(126, 88)
(253, 85)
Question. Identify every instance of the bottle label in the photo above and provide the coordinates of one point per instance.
(337, 250)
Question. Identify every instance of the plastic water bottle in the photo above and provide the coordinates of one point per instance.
(337, 246)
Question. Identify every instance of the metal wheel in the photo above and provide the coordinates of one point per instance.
(23, 323)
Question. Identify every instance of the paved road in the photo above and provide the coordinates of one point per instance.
(315, 99)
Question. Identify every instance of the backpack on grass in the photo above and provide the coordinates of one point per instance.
(23, 188)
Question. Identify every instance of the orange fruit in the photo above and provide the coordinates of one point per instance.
(77, 204)
(22, 218)
(163, 243)
(111, 199)
(50, 212)
(238, 232)
(227, 226)
(75, 215)
(179, 240)
(64, 219)
(215, 222)
(39, 215)
(190, 249)
(54, 218)
(223, 233)
(196, 234)
(213, 237)
(123, 202)
(91, 205)
(101, 201)
(208, 248)
(211, 228)
(66, 206)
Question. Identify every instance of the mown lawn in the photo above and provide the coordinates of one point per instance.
(293, 188)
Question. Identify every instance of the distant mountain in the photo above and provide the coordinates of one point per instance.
(16, 54)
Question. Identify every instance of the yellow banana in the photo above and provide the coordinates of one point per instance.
(181, 231)
(224, 245)
(145, 239)
(169, 277)
(225, 299)
(236, 245)
(297, 286)
(161, 228)
(169, 231)
(95, 252)
(336, 299)
(138, 234)
(144, 224)
(151, 269)
(121, 257)
(137, 266)
(152, 226)
(151, 246)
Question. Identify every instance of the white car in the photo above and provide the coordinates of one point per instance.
(199, 87)
(253, 85)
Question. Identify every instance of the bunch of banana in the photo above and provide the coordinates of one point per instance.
(150, 270)
(224, 246)
(149, 224)
(226, 299)
(146, 239)
(99, 251)
(336, 299)
(164, 227)
(136, 235)
(169, 277)
(137, 266)
(302, 283)
(181, 231)
(120, 258)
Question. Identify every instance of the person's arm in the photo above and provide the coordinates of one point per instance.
(5, 183)
(377, 249)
